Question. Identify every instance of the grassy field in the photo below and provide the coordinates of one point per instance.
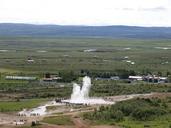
(11, 106)
(161, 122)
(61, 120)
(110, 88)
(4, 70)
(55, 54)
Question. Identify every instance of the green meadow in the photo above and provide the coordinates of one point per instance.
(58, 120)
(11, 106)
(56, 54)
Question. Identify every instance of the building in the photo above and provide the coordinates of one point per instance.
(155, 79)
(149, 78)
(20, 78)
(110, 78)
(136, 78)
(50, 79)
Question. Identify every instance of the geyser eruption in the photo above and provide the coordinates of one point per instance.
(81, 95)
(76, 92)
(86, 87)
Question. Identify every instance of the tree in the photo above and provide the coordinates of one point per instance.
(169, 78)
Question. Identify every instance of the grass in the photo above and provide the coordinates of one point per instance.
(161, 122)
(13, 81)
(11, 106)
(109, 57)
(110, 88)
(60, 120)
(4, 70)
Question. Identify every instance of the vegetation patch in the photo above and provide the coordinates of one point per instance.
(10, 106)
(111, 88)
(136, 113)
(58, 120)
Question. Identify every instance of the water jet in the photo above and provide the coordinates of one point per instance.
(81, 95)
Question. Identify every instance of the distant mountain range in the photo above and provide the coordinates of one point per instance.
(10, 29)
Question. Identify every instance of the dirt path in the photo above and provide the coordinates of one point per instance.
(104, 126)
(56, 126)
(79, 123)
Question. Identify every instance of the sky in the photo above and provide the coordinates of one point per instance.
(87, 12)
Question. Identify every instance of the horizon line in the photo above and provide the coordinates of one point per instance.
(83, 25)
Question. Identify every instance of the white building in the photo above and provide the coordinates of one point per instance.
(139, 78)
(20, 78)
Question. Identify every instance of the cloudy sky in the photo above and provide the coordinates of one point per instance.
(87, 12)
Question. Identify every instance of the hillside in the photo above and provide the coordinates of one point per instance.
(8, 29)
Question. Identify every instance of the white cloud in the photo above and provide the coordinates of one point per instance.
(153, 9)
(87, 12)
